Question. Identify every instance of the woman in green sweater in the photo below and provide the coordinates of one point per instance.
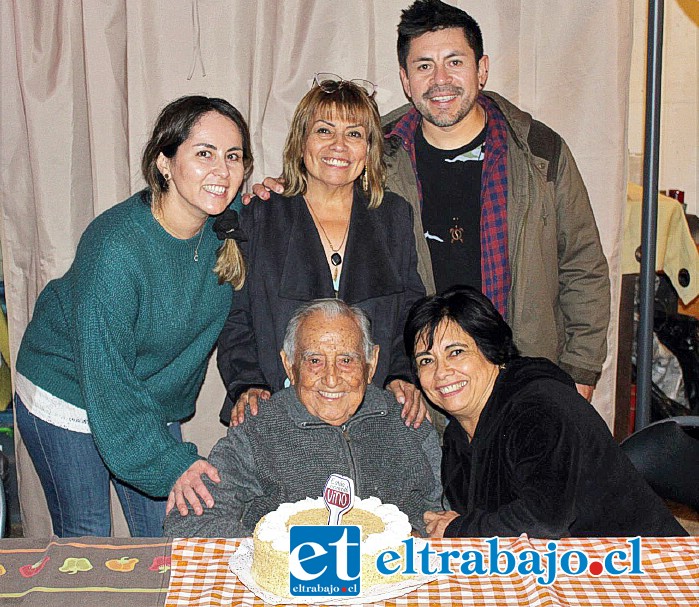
(117, 348)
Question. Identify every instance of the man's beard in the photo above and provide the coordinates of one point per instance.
(446, 118)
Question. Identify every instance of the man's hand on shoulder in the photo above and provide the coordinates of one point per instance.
(262, 190)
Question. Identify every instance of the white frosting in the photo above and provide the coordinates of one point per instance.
(272, 527)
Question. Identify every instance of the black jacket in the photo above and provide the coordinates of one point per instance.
(543, 462)
(286, 266)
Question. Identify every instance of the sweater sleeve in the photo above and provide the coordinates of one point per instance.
(433, 453)
(130, 434)
(544, 467)
(233, 496)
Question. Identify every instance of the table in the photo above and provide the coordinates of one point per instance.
(199, 575)
(85, 571)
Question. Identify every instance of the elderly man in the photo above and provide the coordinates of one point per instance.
(330, 421)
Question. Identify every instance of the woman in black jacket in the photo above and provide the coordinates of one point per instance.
(523, 452)
(334, 232)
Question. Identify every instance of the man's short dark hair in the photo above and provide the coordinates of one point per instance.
(425, 16)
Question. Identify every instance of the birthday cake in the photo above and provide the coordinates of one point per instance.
(384, 527)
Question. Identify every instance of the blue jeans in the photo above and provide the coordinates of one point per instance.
(76, 482)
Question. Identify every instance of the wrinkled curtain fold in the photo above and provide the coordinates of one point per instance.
(82, 82)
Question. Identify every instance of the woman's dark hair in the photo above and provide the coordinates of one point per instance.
(425, 16)
(172, 128)
(472, 311)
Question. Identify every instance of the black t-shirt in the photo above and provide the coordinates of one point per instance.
(451, 209)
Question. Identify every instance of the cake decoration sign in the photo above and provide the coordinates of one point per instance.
(339, 497)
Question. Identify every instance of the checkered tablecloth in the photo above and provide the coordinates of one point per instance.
(200, 576)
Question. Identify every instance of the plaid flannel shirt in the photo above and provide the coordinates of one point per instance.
(495, 261)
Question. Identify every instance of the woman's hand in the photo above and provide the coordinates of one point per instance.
(585, 391)
(414, 409)
(249, 398)
(190, 488)
(437, 522)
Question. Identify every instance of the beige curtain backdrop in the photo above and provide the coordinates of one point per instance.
(82, 81)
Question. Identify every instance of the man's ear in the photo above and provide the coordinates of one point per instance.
(373, 363)
(483, 67)
(288, 367)
(405, 82)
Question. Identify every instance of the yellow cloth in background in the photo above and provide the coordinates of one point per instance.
(5, 381)
(676, 249)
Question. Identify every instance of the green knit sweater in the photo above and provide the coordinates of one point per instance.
(126, 335)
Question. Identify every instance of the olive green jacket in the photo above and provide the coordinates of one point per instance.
(559, 301)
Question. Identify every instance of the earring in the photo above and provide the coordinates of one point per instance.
(166, 176)
(365, 181)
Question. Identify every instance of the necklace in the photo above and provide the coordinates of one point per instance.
(335, 258)
(196, 249)
(162, 222)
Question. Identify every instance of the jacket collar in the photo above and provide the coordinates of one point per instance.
(403, 126)
(518, 121)
(519, 373)
(367, 269)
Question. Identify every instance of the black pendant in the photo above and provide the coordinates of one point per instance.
(335, 259)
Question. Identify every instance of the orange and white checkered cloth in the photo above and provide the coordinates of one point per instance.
(200, 576)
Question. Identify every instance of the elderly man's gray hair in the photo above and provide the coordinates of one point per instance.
(331, 308)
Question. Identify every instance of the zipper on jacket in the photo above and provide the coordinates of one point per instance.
(517, 252)
(353, 468)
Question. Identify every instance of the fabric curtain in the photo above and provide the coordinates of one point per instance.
(82, 82)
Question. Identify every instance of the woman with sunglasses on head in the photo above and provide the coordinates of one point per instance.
(117, 348)
(334, 232)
